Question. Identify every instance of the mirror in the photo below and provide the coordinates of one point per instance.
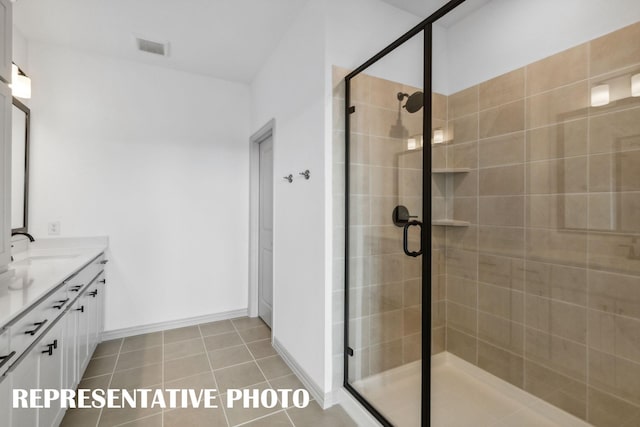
(19, 166)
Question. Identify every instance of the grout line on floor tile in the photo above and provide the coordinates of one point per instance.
(142, 348)
(259, 418)
(110, 379)
(206, 353)
(162, 379)
(138, 419)
(253, 358)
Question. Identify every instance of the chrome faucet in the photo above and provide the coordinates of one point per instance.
(23, 233)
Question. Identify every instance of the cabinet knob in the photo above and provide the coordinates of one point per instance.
(104, 261)
(81, 309)
(93, 293)
(76, 288)
(102, 281)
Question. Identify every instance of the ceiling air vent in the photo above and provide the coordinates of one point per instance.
(150, 46)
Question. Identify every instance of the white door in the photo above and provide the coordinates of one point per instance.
(265, 237)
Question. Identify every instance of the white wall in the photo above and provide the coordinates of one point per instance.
(294, 87)
(289, 88)
(20, 53)
(157, 160)
(507, 34)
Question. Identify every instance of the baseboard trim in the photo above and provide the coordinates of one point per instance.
(313, 388)
(172, 324)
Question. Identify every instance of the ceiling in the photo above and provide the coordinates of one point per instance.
(424, 8)
(219, 38)
(227, 39)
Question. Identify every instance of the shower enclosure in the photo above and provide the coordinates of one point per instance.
(493, 219)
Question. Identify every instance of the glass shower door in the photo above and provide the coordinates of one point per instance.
(384, 263)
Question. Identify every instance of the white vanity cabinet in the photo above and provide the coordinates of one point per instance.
(6, 37)
(53, 354)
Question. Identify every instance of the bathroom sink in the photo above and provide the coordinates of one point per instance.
(51, 257)
(38, 259)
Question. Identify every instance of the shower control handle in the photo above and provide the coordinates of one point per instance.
(405, 238)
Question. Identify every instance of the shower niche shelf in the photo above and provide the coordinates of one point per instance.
(450, 223)
(444, 214)
(449, 170)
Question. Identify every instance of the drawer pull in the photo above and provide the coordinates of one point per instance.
(38, 325)
(5, 359)
(81, 309)
(102, 281)
(104, 261)
(76, 288)
(51, 347)
(94, 293)
(61, 303)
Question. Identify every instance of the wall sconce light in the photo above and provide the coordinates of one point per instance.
(635, 85)
(438, 136)
(599, 95)
(20, 83)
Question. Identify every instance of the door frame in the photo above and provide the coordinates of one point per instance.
(425, 26)
(265, 132)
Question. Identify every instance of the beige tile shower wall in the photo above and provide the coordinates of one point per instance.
(385, 298)
(543, 287)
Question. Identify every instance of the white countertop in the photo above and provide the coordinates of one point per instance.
(41, 268)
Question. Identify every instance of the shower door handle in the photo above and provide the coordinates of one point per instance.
(405, 238)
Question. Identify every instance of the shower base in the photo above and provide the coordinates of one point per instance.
(462, 395)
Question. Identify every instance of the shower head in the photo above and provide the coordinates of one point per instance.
(414, 101)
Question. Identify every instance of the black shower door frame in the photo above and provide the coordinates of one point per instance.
(425, 26)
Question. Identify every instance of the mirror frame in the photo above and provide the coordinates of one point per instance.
(27, 113)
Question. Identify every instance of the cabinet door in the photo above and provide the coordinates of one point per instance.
(93, 317)
(6, 37)
(5, 400)
(25, 376)
(101, 302)
(5, 174)
(50, 352)
(82, 311)
(70, 349)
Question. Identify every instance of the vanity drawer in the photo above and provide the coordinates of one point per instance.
(57, 302)
(27, 329)
(77, 283)
(96, 267)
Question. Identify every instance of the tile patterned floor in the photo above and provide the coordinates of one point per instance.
(226, 354)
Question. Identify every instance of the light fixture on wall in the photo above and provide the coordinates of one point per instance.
(438, 136)
(599, 95)
(20, 83)
(635, 85)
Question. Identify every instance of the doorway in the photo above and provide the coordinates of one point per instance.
(265, 232)
(261, 233)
